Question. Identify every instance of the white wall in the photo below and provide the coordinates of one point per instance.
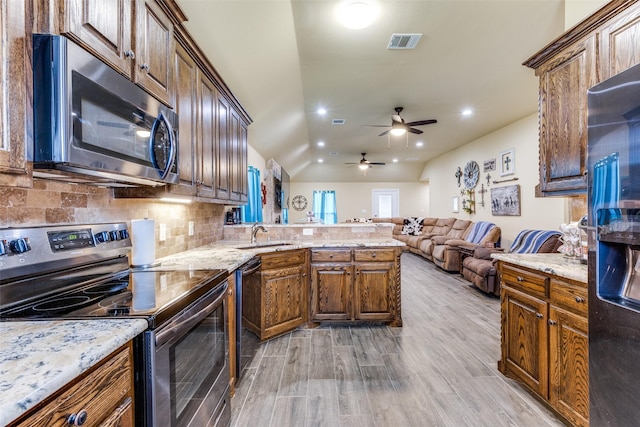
(576, 10)
(536, 213)
(353, 199)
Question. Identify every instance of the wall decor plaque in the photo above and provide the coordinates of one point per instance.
(505, 201)
(489, 165)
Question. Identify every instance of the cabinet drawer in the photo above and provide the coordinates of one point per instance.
(283, 259)
(99, 394)
(525, 280)
(374, 255)
(331, 255)
(571, 296)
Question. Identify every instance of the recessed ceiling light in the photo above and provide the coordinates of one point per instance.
(395, 160)
(357, 14)
(320, 160)
(467, 112)
(419, 144)
(320, 143)
(322, 111)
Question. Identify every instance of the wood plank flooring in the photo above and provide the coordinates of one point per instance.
(439, 369)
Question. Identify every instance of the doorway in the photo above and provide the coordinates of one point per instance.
(385, 203)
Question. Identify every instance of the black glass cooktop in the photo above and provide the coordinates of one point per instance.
(154, 295)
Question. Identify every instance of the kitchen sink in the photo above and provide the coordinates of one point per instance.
(264, 245)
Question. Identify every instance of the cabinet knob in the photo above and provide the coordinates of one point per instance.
(552, 322)
(579, 300)
(145, 67)
(539, 315)
(520, 279)
(129, 54)
(330, 256)
(373, 255)
(77, 419)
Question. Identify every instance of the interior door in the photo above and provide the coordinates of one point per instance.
(385, 203)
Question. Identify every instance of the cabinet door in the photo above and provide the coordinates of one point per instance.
(373, 296)
(14, 96)
(223, 152)
(569, 365)
(104, 27)
(185, 101)
(236, 173)
(564, 81)
(154, 50)
(285, 300)
(620, 43)
(524, 339)
(207, 101)
(331, 292)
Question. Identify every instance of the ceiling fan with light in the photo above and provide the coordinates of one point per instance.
(400, 127)
(365, 164)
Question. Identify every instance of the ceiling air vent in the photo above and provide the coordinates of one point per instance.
(404, 41)
(337, 121)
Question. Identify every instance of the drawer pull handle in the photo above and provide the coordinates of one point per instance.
(552, 322)
(539, 315)
(579, 300)
(520, 279)
(77, 419)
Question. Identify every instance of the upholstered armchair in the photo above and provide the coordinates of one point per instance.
(446, 254)
(480, 269)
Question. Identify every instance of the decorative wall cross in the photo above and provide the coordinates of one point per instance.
(482, 191)
(488, 179)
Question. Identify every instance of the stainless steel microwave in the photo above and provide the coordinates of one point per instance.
(93, 125)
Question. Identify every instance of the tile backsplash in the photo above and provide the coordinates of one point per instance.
(50, 202)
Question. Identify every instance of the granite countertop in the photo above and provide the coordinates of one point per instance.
(556, 264)
(226, 255)
(37, 358)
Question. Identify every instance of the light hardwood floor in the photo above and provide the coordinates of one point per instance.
(439, 369)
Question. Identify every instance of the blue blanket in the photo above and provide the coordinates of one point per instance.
(479, 230)
(530, 241)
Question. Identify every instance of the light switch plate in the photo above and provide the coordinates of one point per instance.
(192, 228)
(307, 231)
(163, 232)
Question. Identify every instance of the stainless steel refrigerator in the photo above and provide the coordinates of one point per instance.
(614, 249)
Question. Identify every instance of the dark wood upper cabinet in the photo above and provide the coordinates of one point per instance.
(599, 47)
(15, 94)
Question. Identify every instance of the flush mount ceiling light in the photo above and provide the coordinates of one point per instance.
(357, 14)
(322, 111)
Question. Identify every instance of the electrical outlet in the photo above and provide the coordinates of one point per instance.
(192, 228)
(307, 231)
(163, 232)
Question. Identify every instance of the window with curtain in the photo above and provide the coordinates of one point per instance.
(252, 211)
(324, 206)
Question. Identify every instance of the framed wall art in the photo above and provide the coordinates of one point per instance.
(505, 201)
(507, 162)
(489, 165)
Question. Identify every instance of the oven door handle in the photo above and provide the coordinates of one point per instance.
(192, 316)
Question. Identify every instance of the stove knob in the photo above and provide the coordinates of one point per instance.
(102, 237)
(124, 234)
(19, 246)
(114, 235)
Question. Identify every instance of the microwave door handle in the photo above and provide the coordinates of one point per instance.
(187, 320)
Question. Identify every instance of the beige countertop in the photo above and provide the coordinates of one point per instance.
(37, 358)
(556, 264)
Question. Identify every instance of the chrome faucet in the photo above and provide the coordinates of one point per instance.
(254, 230)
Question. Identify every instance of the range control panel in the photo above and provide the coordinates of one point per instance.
(23, 247)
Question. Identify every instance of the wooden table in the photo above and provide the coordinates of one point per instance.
(465, 251)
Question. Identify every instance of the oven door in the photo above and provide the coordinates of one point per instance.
(188, 371)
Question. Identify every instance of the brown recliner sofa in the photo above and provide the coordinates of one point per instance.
(480, 269)
(430, 227)
(445, 253)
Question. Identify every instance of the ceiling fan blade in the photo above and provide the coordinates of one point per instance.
(377, 126)
(385, 132)
(376, 163)
(422, 122)
(416, 131)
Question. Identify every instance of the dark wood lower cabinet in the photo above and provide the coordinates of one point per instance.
(345, 285)
(545, 342)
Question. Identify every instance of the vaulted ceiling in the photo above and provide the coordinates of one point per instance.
(285, 59)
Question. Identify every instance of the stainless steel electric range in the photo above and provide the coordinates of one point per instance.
(82, 271)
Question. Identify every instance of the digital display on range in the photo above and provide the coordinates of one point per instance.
(69, 240)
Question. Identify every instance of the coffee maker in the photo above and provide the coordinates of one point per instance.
(234, 216)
